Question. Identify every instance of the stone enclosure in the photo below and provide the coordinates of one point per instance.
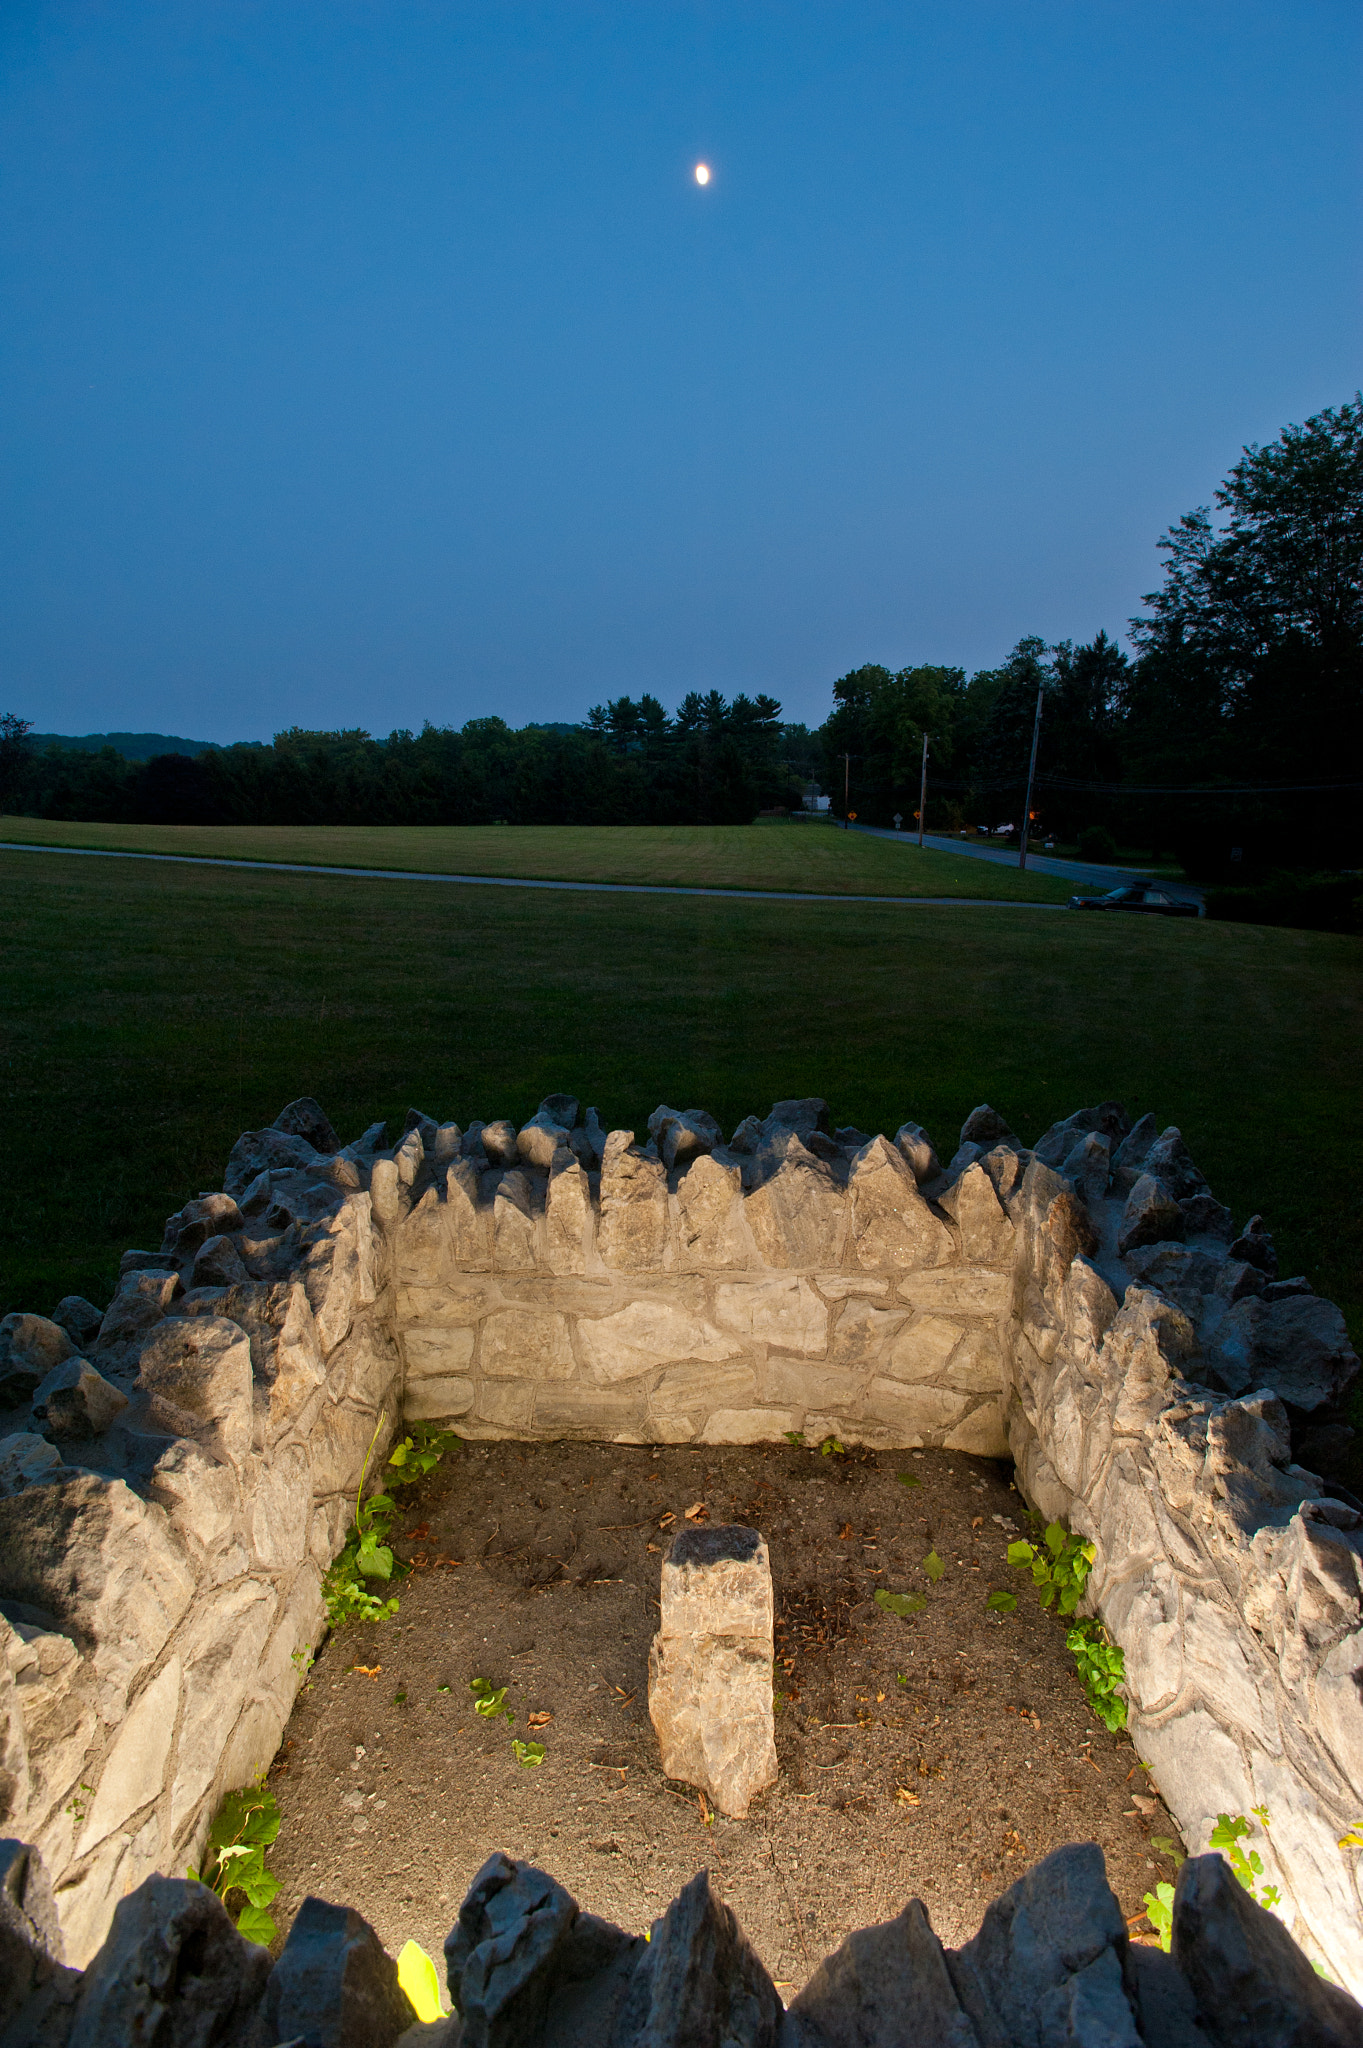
(179, 1468)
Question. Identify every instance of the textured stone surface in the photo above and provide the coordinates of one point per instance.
(335, 1985)
(709, 1672)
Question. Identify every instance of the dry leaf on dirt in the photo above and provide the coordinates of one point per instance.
(698, 1512)
(367, 1670)
(540, 1720)
(905, 1797)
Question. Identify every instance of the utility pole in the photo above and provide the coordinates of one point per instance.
(923, 792)
(1031, 775)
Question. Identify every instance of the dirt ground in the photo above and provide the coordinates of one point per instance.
(938, 1755)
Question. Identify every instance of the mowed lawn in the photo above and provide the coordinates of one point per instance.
(767, 856)
(151, 1013)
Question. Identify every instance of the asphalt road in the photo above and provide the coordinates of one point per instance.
(1086, 875)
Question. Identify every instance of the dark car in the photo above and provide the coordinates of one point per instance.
(1137, 896)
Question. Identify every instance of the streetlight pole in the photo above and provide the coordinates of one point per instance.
(1031, 776)
(923, 792)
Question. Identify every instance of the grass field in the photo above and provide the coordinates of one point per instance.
(151, 1013)
(768, 856)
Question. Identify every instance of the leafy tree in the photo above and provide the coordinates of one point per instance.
(879, 719)
(14, 752)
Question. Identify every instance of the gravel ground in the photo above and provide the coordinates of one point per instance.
(938, 1755)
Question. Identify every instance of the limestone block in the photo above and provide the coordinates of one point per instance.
(567, 1214)
(500, 1141)
(460, 1298)
(1240, 1960)
(470, 1224)
(281, 1668)
(837, 1286)
(785, 1313)
(788, 1382)
(977, 1364)
(1146, 1342)
(959, 1290)
(437, 1399)
(386, 1196)
(256, 1152)
(30, 1348)
(336, 1446)
(506, 1404)
(1151, 1215)
(987, 1236)
(220, 1659)
(538, 1140)
(134, 1769)
(79, 1318)
(141, 1302)
(334, 1982)
(633, 1230)
(1230, 1671)
(597, 1411)
(200, 1496)
(748, 1425)
(281, 1507)
(338, 1267)
(710, 1216)
(76, 1403)
(982, 1432)
(862, 1332)
(173, 1970)
(526, 1343)
(408, 1155)
(918, 1152)
(513, 1223)
(195, 1373)
(421, 1246)
(217, 1263)
(683, 1134)
(697, 1390)
(286, 1349)
(798, 1215)
(1046, 1964)
(27, 1460)
(1298, 1346)
(647, 1333)
(891, 1223)
(709, 1676)
(921, 1351)
(52, 1725)
(436, 1352)
(916, 1411)
(364, 1366)
(887, 1983)
(89, 1551)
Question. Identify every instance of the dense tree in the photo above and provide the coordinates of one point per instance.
(878, 723)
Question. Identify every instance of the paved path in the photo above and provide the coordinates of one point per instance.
(1090, 874)
(289, 867)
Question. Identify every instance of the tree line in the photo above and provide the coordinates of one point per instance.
(1234, 724)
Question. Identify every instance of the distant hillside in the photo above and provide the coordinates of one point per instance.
(134, 746)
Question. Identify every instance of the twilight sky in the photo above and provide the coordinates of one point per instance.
(368, 363)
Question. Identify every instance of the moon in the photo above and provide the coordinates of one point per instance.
(702, 174)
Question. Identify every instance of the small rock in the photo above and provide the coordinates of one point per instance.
(984, 1126)
(1151, 1216)
(1128, 1161)
(709, 1671)
(79, 1318)
(1169, 1160)
(306, 1119)
(417, 1120)
(747, 1136)
(144, 1262)
(30, 1346)
(799, 1113)
(537, 1141)
(595, 1133)
(210, 1216)
(335, 1986)
(917, 1148)
(173, 1970)
(1255, 1246)
(499, 1141)
(75, 1402)
(1089, 1166)
(1204, 1216)
(1250, 1980)
(561, 1109)
(1283, 1290)
(885, 1984)
(683, 1134)
(850, 1138)
(33, 1981)
(218, 1263)
(255, 1151)
(1108, 1119)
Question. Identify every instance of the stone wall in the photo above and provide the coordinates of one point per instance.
(180, 1468)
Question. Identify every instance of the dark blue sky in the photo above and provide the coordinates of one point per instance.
(363, 364)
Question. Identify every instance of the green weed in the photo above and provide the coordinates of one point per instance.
(491, 1705)
(528, 1753)
(1060, 1569)
(1060, 1565)
(933, 1566)
(900, 1603)
(1102, 1668)
(234, 1859)
(368, 1555)
(1230, 1831)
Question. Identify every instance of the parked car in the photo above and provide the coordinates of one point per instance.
(1138, 896)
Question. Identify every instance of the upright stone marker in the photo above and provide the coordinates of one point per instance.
(709, 1670)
